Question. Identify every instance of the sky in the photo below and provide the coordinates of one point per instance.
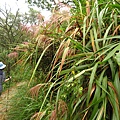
(14, 5)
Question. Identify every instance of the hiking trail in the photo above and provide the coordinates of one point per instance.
(5, 100)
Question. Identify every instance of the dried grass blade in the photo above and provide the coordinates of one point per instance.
(74, 32)
(112, 86)
(92, 91)
(63, 58)
(38, 116)
(87, 11)
(60, 111)
(100, 113)
(93, 41)
(58, 53)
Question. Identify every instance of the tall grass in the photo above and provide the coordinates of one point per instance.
(83, 80)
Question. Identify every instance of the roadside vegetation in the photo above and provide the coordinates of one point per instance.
(71, 63)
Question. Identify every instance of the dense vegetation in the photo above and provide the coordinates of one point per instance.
(71, 63)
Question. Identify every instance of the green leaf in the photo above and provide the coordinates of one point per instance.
(106, 49)
(78, 75)
(98, 89)
(115, 6)
(99, 117)
(114, 104)
(112, 53)
(112, 67)
(51, 86)
(110, 38)
(91, 81)
(77, 104)
(104, 85)
(96, 100)
(117, 57)
(106, 33)
(117, 84)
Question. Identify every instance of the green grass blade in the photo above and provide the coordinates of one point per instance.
(96, 100)
(106, 33)
(95, 35)
(57, 99)
(99, 117)
(112, 67)
(51, 86)
(91, 82)
(76, 68)
(109, 38)
(78, 75)
(117, 84)
(105, 106)
(110, 54)
(98, 89)
(106, 49)
(114, 104)
(104, 85)
(38, 62)
(77, 104)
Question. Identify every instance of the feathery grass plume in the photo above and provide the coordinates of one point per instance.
(43, 40)
(13, 55)
(62, 52)
(35, 90)
(59, 17)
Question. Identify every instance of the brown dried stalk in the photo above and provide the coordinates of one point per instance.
(38, 116)
(87, 11)
(60, 111)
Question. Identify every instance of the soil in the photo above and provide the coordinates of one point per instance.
(5, 100)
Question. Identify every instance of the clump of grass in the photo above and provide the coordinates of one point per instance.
(21, 73)
(23, 106)
(87, 81)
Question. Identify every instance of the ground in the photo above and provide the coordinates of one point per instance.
(5, 100)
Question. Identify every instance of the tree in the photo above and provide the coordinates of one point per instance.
(48, 4)
(31, 17)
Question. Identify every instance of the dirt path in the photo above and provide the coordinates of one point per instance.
(5, 100)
